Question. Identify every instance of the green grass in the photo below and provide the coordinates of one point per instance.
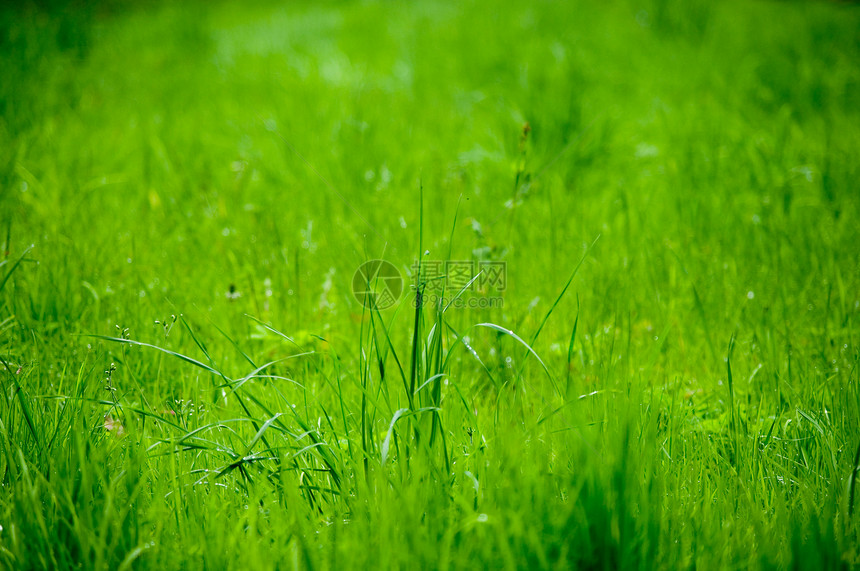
(671, 382)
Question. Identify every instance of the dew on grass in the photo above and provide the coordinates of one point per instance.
(750, 295)
(402, 222)
(482, 518)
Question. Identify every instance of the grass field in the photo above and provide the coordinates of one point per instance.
(667, 380)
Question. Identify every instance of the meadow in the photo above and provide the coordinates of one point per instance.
(662, 372)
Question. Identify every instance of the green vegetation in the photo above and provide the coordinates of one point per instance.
(186, 191)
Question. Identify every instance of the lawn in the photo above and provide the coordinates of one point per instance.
(617, 324)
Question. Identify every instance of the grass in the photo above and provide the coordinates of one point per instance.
(671, 381)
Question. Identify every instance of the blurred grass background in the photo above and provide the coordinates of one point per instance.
(158, 156)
